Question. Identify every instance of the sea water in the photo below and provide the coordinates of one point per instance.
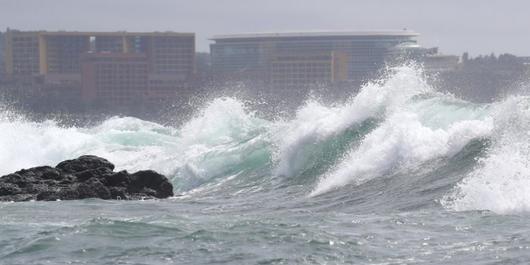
(398, 174)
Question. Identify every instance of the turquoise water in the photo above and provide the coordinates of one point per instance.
(398, 174)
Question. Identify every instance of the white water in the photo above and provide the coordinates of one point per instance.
(501, 181)
(220, 137)
(225, 139)
(414, 131)
(315, 122)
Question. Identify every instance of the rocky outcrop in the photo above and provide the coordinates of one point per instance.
(82, 178)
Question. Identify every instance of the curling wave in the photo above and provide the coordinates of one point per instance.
(394, 127)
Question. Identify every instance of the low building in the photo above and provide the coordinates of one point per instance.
(439, 63)
(252, 57)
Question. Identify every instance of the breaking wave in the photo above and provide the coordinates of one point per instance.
(501, 180)
(394, 127)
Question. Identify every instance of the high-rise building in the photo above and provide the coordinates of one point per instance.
(57, 60)
(114, 79)
(21, 54)
(2, 69)
(288, 58)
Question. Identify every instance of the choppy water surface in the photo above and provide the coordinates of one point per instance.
(399, 174)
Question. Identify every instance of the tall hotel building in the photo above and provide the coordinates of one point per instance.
(294, 60)
(103, 68)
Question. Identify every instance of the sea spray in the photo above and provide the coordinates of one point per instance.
(418, 125)
(501, 180)
(400, 142)
(223, 139)
(397, 123)
(26, 144)
(219, 140)
(315, 123)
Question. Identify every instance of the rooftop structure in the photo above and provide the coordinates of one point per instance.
(315, 34)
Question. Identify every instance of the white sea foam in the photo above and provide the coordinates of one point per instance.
(25, 144)
(221, 136)
(414, 130)
(501, 181)
(218, 141)
(402, 141)
(225, 139)
(315, 122)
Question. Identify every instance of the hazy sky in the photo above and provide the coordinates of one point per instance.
(477, 26)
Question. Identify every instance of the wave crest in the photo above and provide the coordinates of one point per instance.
(501, 180)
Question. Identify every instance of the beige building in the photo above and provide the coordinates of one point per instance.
(114, 78)
(306, 57)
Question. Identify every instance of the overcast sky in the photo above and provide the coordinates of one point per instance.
(477, 26)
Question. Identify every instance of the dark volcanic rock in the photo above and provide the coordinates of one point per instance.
(84, 163)
(81, 178)
(149, 181)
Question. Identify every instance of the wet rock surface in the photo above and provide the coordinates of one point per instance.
(85, 177)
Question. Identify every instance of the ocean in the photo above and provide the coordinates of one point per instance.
(397, 174)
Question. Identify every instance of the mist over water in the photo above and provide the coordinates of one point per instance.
(399, 173)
